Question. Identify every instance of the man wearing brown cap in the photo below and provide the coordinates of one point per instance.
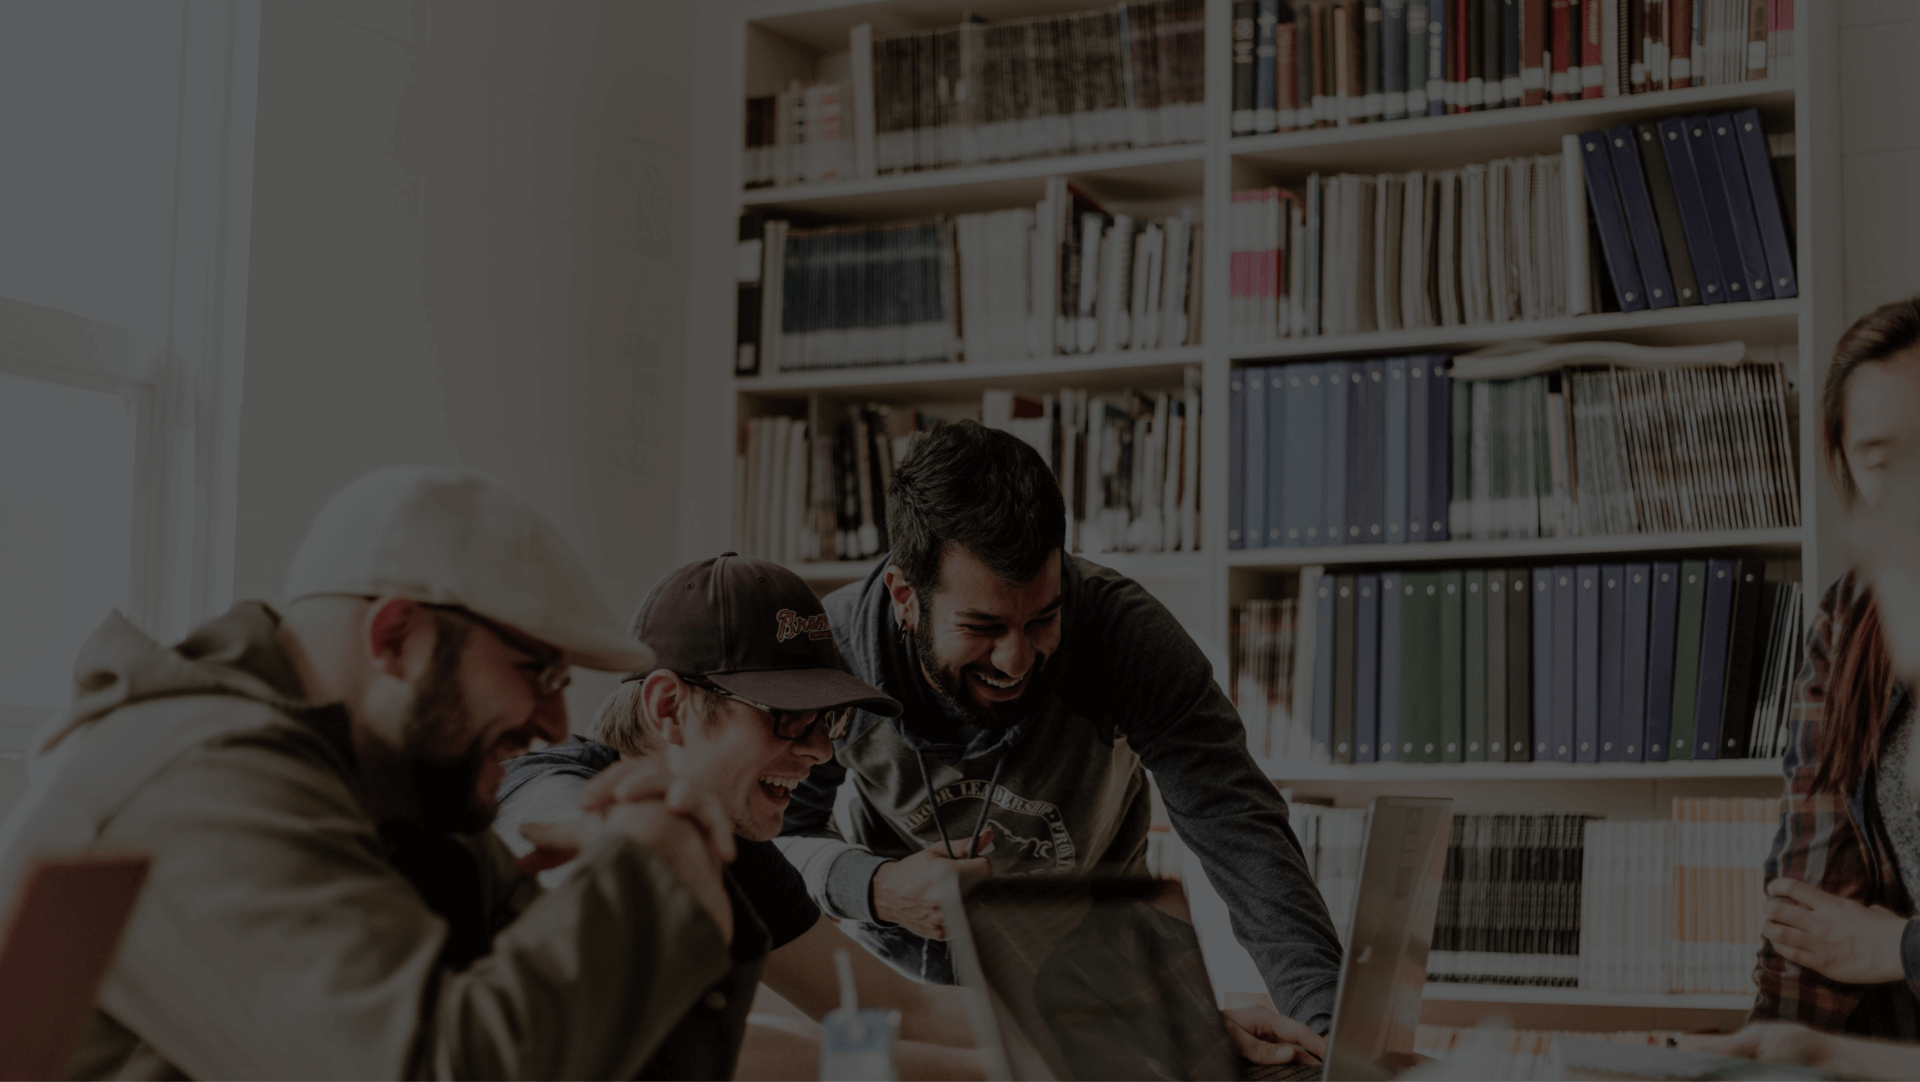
(747, 692)
(313, 786)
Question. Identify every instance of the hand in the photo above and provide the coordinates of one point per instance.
(638, 780)
(907, 892)
(676, 839)
(1774, 1042)
(1836, 937)
(1264, 1035)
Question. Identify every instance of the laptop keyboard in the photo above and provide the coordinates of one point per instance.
(1279, 1072)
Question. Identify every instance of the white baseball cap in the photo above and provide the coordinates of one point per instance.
(458, 537)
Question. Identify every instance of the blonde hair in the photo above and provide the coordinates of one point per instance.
(623, 725)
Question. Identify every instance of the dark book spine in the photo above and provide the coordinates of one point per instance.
(1633, 661)
(1613, 627)
(1519, 666)
(1666, 211)
(1344, 645)
(748, 295)
(1366, 672)
(1744, 638)
(1243, 73)
(1497, 683)
(1372, 52)
(1663, 614)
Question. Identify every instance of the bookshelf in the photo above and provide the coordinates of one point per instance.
(777, 41)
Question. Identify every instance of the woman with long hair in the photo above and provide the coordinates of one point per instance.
(1841, 951)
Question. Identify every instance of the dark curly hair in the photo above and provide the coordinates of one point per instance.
(977, 489)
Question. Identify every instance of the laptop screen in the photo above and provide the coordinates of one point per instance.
(1098, 978)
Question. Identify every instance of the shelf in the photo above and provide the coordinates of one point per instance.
(1449, 992)
(1447, 141)
(1754, 322)
(1141, 175)
(1522, 772)
(1526, 548)
(1131, 564)
(1041, 373)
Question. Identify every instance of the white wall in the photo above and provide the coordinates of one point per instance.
(1880, 144)
(468, 248)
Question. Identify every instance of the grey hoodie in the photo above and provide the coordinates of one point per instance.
(1127, 692)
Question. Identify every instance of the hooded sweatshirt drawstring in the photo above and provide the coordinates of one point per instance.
(979, 825)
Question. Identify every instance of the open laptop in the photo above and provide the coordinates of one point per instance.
(1078, 978)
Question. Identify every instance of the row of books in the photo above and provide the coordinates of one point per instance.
(1624, 662)
(1129, 75)
(1353, 254)
(1070, 276)
(1687, 211)
(1395, 450)
(1323, 63)
(1128, 464)
(797, 136)
(1676, 905)
(1510, 903)
(1064, 276)
(1558, 900)
(815, 489)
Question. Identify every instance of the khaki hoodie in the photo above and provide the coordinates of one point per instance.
(276, 938)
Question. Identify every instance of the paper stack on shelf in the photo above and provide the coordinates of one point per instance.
(1510, 903)
(1261, 679)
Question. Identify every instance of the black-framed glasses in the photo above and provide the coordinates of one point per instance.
(549, 672)
(788, 725)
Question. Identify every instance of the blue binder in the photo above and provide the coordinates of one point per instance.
(1566, 597)
(1439, 448)
(1615, 244)
(1630, 181)
(1586, 661)
(1713, 192)
(1323, 667)
(1663, 624)
(1333, 507)
(1396, 451)
(1746, 230)
(1236, 460)
(1256, 458)
(1416, 448)
(1701, 245)
(1280, 468)
(1306, 400)
(1366, 670)
(1388, 744)
(1633, 661)
(1543, 693)
(1613, 744)
(1715, 626)
(1373, 490)
(1766, 203)
(1359, 454)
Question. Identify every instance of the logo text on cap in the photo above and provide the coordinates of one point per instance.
(793, 625)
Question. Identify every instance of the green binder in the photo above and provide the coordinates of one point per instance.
(1451, 664)
(1686, 657)
(1418, 730)
(1473, 694)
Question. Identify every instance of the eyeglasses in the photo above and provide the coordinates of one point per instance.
(787, 724)
(548, 670)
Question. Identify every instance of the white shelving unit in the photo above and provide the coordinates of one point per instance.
(778, 41)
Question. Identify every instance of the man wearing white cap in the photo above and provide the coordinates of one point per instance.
(313, 788)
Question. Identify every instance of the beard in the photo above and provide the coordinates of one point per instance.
(445, 788)
(950, 685)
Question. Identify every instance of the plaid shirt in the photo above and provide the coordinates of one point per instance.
(1839, 844)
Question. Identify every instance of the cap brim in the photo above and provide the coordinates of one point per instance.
(610, 655)
(802, 690)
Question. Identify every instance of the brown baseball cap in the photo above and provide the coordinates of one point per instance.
(753, 628)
